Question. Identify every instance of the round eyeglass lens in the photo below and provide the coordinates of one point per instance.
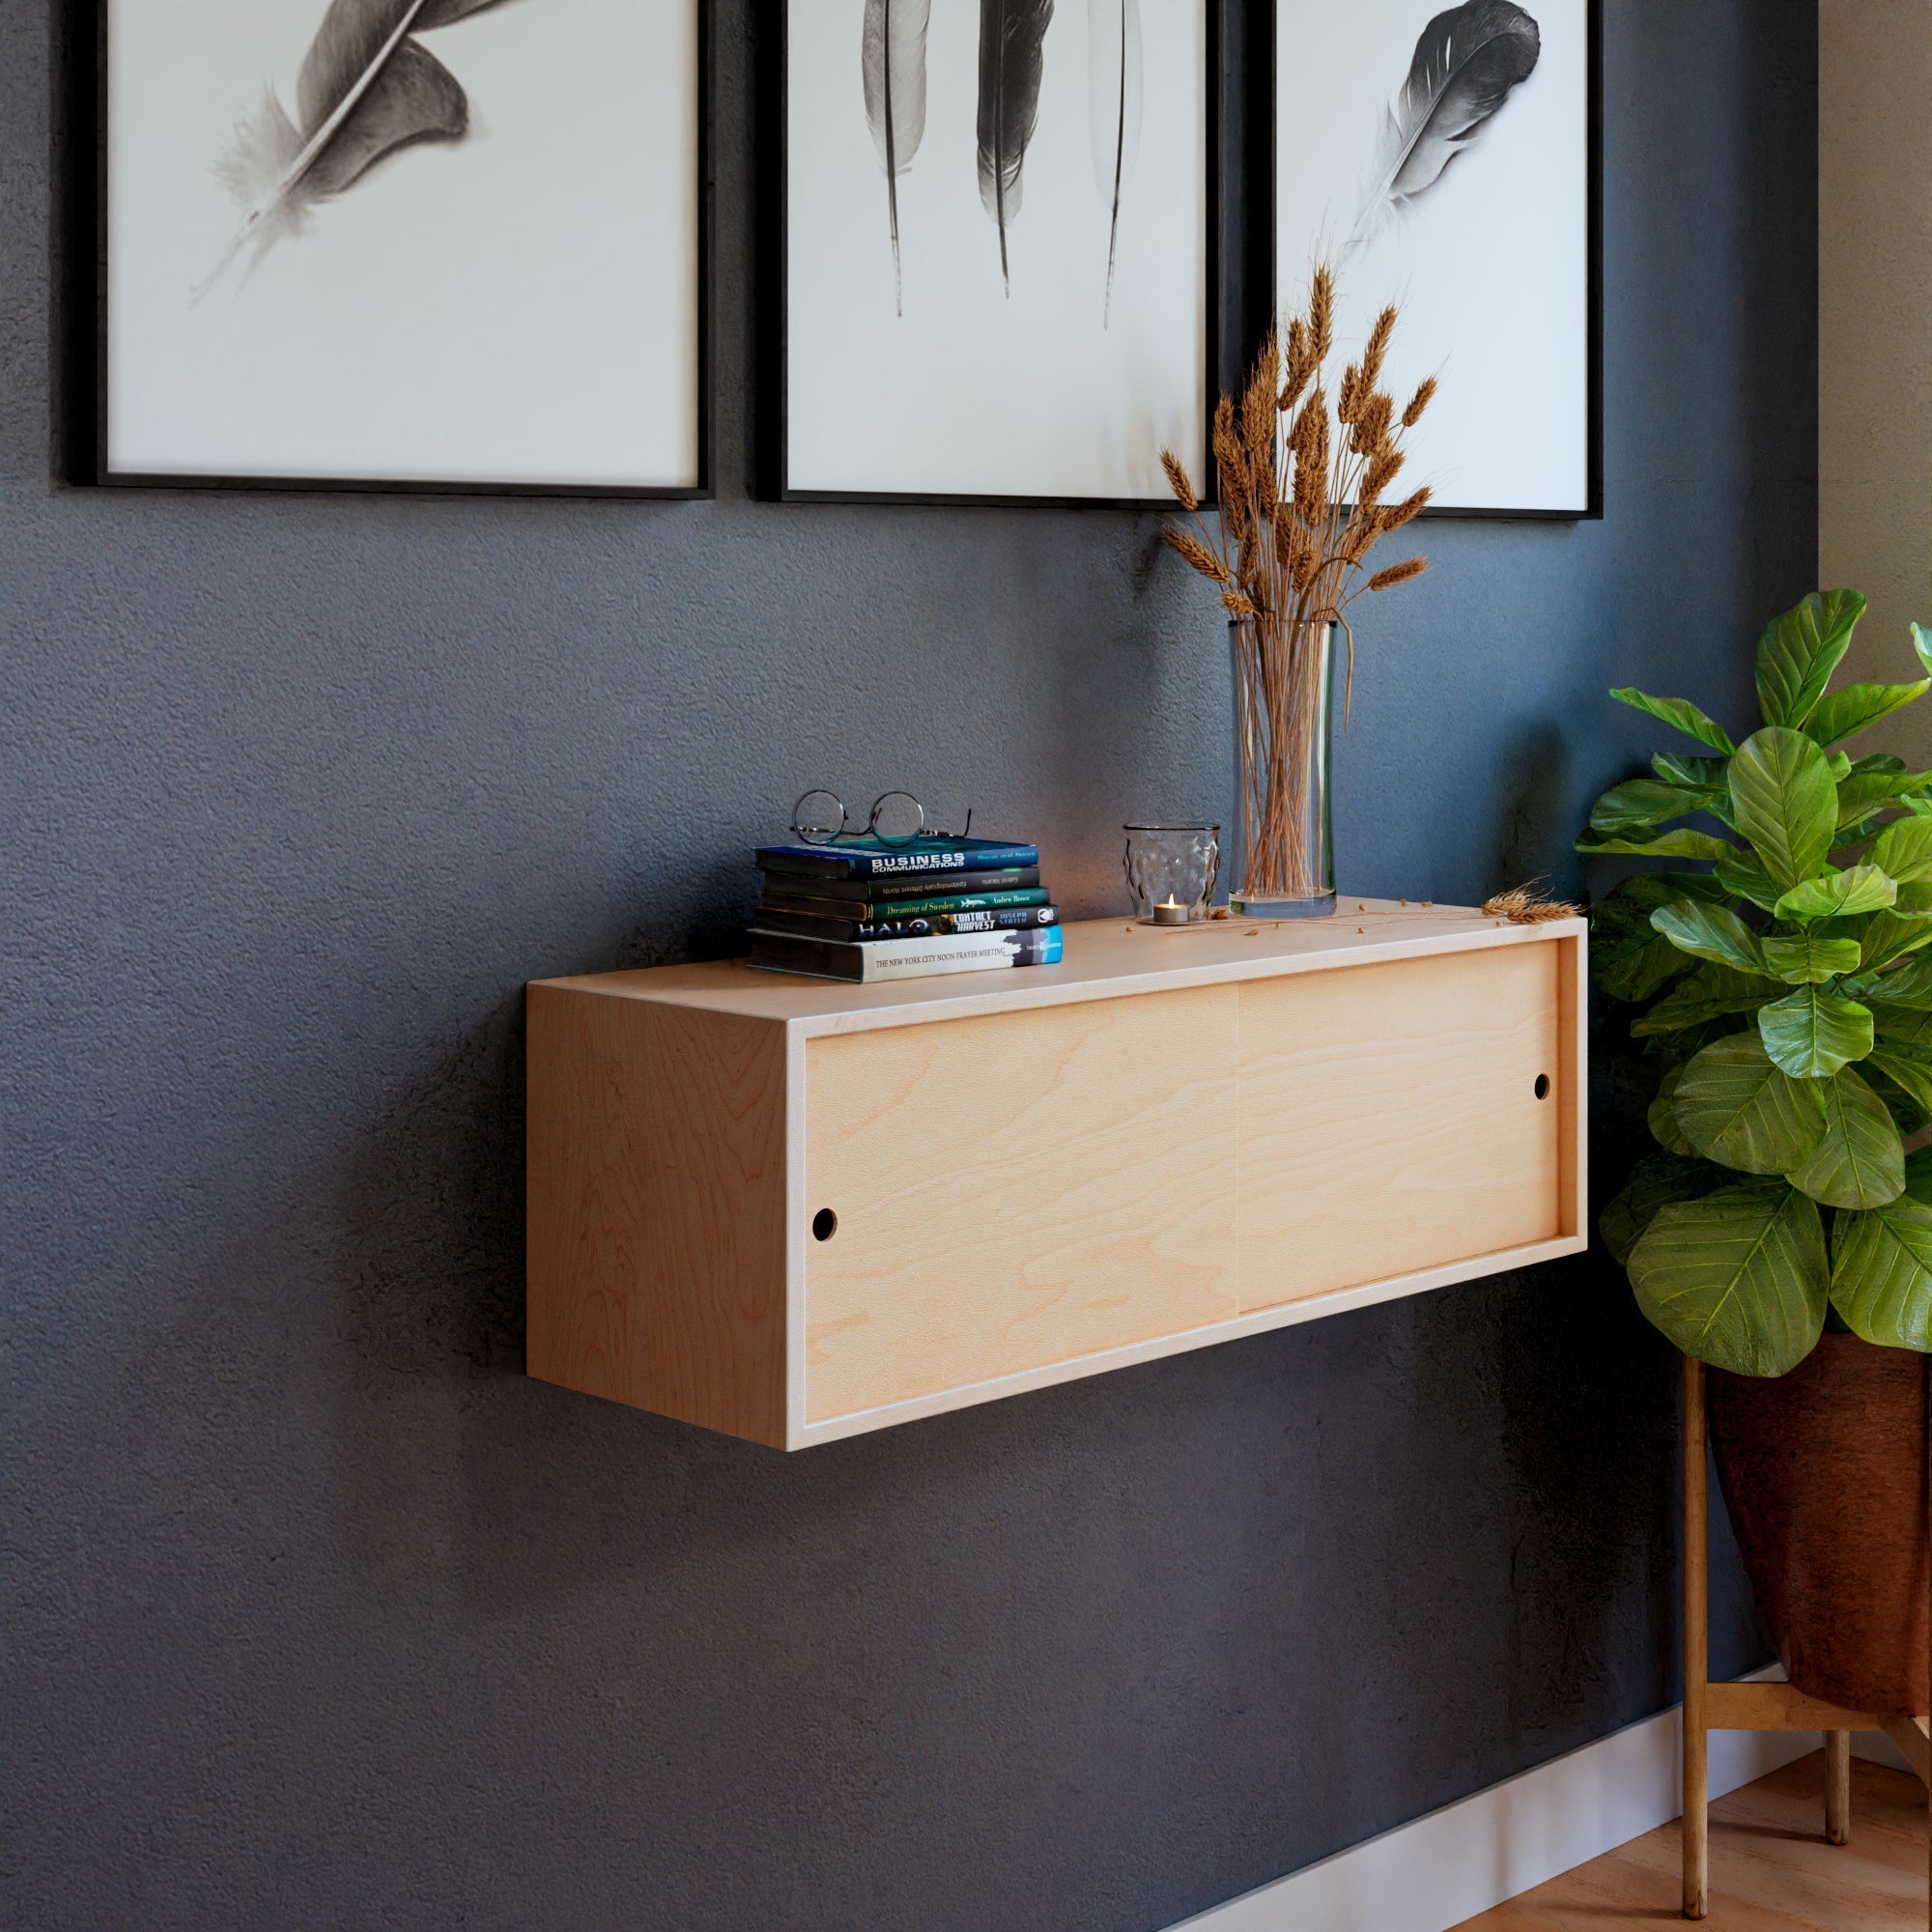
(818, 817)
(897, 817)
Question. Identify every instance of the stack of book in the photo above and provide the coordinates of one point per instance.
(865, 910)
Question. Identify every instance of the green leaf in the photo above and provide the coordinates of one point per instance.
(1877, 761)
(1701, 773)
(1743, 877)
(1640, 803)
(1885, 936)
(1903, 850)
(1881, 1274)
(1737, 1279)
(1908, 1026)
(1710, 933)
(1679, 712)
(1784, 803)
(1810, 959)
(1738, 1109)
(1812, 1032)
(1908, 985)
(1861, 889)
(1628, 958)
(1918, 1174)
(1862, 794)
(1850, 709)
(1860, 1161)
(1662, 1119)
(1909, 1070)
(1710, 992)
(1906, 1111)
(1654, 1182)
(1681, 843)
(1922, 643)
(1798, 651)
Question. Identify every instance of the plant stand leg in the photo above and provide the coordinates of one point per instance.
(1837, 1787)
(1696, 1650)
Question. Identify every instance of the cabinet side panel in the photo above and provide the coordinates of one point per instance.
(1390, 1121)
(657, 1171)
(1016, 1190)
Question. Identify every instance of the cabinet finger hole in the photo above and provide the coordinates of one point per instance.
(1542, 1086)
(824, 1225)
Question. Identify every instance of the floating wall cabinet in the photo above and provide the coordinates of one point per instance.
(792, 1210)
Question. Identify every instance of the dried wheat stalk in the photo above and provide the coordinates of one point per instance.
(1525, 905)
(1301, 483)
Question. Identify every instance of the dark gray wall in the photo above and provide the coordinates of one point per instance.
(316, 1612)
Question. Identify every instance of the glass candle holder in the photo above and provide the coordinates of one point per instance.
(1171, 871)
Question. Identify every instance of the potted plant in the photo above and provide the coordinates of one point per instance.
(1783, 1234)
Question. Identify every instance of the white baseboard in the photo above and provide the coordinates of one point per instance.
(1435, 1873)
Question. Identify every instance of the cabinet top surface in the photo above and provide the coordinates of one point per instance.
(1105, 959)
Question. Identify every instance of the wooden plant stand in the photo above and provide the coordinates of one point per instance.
(1757, 1706)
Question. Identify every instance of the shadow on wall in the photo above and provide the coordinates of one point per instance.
(1532, 833)
(431, 1212)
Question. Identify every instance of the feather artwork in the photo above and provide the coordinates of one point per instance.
(892, 51)
(1013, 36)
(365, 89)
(1466, 63)
(1113, 94)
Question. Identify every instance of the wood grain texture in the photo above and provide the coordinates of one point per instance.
(1695, 1846)
(657, 1220)
(1016, 1190)
(1038, 1173)
(1772, 1868)
(1105, 959)
(1909, 1734)
(1389, 1119)
(1779, 1707)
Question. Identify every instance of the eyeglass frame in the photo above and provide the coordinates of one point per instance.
(819, 835)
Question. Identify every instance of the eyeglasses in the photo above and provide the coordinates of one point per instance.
(896, 818)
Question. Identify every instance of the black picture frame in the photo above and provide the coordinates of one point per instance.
(84, 437)
(1264, 26)
(1229, 323)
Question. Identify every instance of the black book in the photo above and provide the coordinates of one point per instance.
(880, 892)
(771, 918)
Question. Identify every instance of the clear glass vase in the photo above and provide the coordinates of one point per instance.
(1284, 691)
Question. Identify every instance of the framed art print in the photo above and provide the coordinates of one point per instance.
(1444, 159)
(405, 244)
(995, 242)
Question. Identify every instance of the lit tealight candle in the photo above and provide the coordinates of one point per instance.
(1170, 912)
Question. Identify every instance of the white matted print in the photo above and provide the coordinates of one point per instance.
(995, 246)
(452, 241)
(1441, 159)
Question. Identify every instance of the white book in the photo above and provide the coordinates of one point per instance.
(871, 961)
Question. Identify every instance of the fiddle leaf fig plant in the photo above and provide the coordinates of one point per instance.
(1786, 1004)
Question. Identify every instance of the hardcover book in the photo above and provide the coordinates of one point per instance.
(921, 886)
(904, 958)
(1021, 900)
(770, 918)
(874, 859)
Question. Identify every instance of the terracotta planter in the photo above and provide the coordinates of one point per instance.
(1823, 1475)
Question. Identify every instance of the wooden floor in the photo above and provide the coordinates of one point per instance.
(1771, 1868)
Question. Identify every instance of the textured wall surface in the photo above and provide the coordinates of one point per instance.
(1875, 333)
(316, 1612)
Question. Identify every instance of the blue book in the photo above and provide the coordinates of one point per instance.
(873, 859)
